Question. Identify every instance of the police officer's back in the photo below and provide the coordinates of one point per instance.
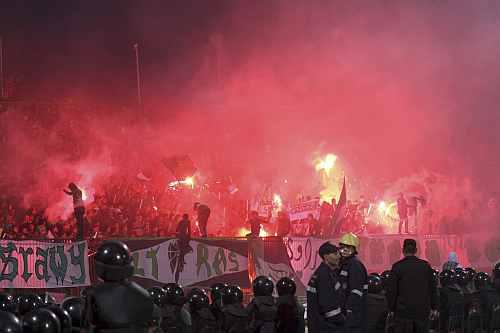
(117, 304)
(203, 320)
(490, 300)
(175, 317)
(290, 312)
(325, 295)
(376, 306)
(452, 303)
(235, 316)
(262, 309)
(217, 292)
(412, 290)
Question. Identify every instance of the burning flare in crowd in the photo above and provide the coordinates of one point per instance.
(188, 182)
(326, 164)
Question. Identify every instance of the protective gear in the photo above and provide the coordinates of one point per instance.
(41, 321)
(28, 303)
(195, 291)
(376, 274)
(198, 301)
(7, 303)
(9, 323)
(496, 271)
(324, 302)
(350, 239)
(262, 310)
(63, 316)
(233, 295)
(374, 285)
(113, 261)
(262, 286)
(376, 309)
(175, 319)
(235, 319)
(290, 317)
(74, 307)
(447, 278)
(119, 305)
(48, 300)
(481, 280)
(471, 273)
(451, 305)
(202, 318)
(435, 275)
(286, 286)
(385, 278)
(174, 295)
(217, 291)
(158, 295)
(354, 277)
(462, 278)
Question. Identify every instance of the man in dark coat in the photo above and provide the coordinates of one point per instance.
(325, 295)
(412, 290)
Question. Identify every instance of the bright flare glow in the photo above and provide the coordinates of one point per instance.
(326, 164)
(277, 202)
(84, 194)
(189, 181)
(242, 232)
(382, 207)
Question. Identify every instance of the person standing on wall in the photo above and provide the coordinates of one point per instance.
(79, 208)
(203, 213)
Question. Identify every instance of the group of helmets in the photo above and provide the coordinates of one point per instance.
(378, 282)
(264, 286)
(468, 276)
(32, 313)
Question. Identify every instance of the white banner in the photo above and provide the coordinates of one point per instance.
(168, 262)
(34, 264)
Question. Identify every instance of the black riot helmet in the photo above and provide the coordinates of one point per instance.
(481, 280)
(7, 303)
(113, 261)
(286, 286)
(375, 285)
(447, 278)
(194, 291)
(198, 301)
(375, 274)
(217, 291)
(386, 275)
(28, 303)
(158, 295)
(9, 323)
(471, 273)
(435, 275)
(174, 295)
(496, 271)
(462, 278)
(63, 316)
(233, 295)
(74, 306)
(41, 321)
(48, 300)
(262, 286)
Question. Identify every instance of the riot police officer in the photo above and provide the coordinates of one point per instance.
(74, 306)
(217, 292)
(63, 316)
(452, 303)
(235, 316)
(262, 309)
(41, 321)
(376, 305)
(175, 317)
(203, 320)
(117, 303)
(325, 294)
(354, 277)
(290, 311)
(9, 322)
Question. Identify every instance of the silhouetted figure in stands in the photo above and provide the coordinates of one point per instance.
(79, 208)
(203, 212)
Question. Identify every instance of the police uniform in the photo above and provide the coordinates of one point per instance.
(290, 315)
(235, 319)
(354, 277)
(262, 311)
(117, 304)
(325, 297)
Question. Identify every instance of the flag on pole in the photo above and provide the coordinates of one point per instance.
(340, 211)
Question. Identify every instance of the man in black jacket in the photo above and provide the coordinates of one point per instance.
(412, 291)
